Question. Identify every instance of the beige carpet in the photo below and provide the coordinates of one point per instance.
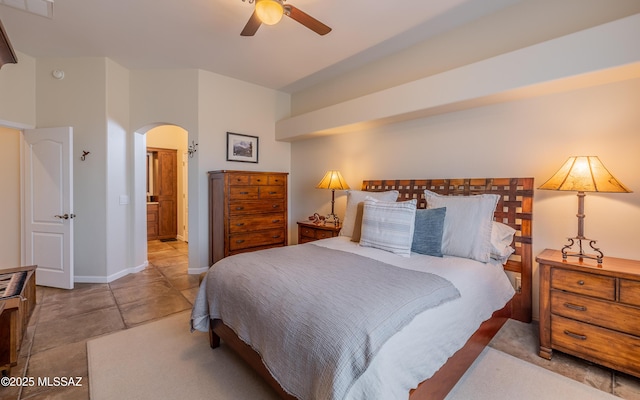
(162, 360)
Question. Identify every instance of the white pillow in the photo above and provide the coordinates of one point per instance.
(388, 225)
(501, 238)
(467, 224)
(357, 196)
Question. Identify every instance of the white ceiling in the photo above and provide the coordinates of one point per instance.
(205, 34)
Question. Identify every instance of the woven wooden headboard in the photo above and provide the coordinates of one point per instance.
(514, 209)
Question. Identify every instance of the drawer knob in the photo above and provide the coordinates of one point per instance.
(244, 192)
(275, 236)
(239, 208)
(273, 192)
(275, 221)
(240, 241)
(575, 335)
(240, 224)
(581, 282)
(575, 307)
(275, 206)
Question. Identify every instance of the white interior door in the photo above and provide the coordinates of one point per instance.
(48, 205)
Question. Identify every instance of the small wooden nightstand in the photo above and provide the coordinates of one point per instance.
(591, 311)
(308, 231)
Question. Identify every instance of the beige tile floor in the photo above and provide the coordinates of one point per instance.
(63, 321)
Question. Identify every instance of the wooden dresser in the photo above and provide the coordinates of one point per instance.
(247, 212)
(309, 231)
(591, 311)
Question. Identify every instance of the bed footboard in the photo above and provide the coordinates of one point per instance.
(218, 330)
(441, 383)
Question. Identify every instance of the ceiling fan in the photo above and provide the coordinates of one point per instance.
(270, 12)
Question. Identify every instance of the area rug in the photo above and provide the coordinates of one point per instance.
(163, 360)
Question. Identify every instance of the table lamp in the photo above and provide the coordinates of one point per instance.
(333, 180)
(583, 174)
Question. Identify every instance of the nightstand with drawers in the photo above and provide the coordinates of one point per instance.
(591, 311)
(309, 231)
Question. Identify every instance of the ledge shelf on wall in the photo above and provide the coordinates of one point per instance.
(604, 54)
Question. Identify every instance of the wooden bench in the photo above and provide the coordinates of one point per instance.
(17, 301)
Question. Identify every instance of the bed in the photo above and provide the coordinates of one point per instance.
(402, 362)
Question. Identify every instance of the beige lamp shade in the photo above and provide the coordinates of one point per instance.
(333, 180)
(584, 174)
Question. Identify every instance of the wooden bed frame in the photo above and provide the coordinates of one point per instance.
(514, 209)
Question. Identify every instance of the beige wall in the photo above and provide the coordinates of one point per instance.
(18, 93)
(229, 105)
(80, 101)
(526, 138)
(10, 231)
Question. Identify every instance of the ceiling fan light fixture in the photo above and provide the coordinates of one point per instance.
(269, 11)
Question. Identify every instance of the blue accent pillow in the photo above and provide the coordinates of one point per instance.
(427, 233)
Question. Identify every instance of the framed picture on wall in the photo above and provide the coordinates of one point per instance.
(243, 148)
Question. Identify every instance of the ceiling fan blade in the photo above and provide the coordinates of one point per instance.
(306, 20)
(252, 25)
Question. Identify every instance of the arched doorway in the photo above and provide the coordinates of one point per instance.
(163, 137)
(167, 142)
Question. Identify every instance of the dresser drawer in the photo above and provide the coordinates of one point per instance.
(603, 287)
(630, 292)
(603, 346)
(262, 238)
(311, 233)
(238, 179)
(272, 192)
(259, 180)
(276, 180)
(244, 193)
(322, 234)
(239, 224)
(250, 207)
(307, 232)
(597, 312)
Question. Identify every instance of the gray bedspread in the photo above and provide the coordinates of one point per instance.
(317, 316)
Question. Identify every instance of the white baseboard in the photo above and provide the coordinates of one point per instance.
(197, 271)
(110, 278)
